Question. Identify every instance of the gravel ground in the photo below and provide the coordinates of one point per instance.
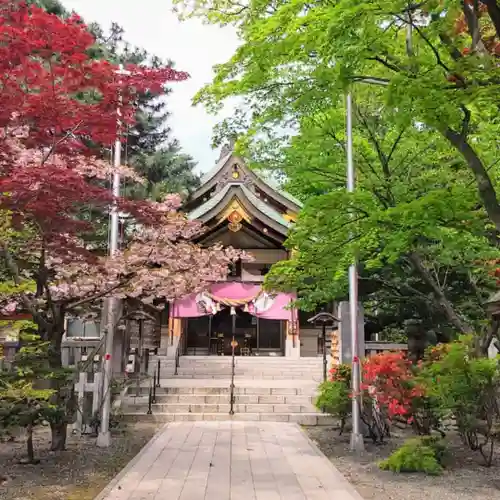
(465, 479)
(79, 473)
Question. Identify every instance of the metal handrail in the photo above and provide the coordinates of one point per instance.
(153, 384)
(177, 358)
(178, 354)
(231, 387)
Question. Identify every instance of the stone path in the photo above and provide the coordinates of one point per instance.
(230, 461)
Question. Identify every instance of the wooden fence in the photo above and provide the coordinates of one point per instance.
(376, 347)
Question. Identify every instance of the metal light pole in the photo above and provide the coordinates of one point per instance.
(104, 436)
(357, 443)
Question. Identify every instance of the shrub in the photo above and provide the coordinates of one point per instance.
(466, 388)
(417, 455)
(393, 390)
(389, 377)
(334, 394)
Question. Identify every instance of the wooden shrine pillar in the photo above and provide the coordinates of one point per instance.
(292, 338)
(170, 335)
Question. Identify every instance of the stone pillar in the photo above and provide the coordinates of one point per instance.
(345, 333)
(335, 349)
(118, 354)
(292, 340)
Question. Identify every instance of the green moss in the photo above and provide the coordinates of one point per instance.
(426, 454)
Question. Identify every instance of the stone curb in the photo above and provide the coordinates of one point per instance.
(347, 485)
(110, 486)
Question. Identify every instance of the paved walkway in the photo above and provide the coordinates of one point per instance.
(230, 461)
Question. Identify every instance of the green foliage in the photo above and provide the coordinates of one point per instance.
(417, 455)
(466, 388)
(425, 131)
(416, 234)
(334, 394)
(166, 170)
(26, 400)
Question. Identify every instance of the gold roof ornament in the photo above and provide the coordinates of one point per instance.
(234, 219)
(235, 214)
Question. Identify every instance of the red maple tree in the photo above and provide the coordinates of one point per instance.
(57, 108)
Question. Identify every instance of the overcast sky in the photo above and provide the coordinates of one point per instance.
(193, 47)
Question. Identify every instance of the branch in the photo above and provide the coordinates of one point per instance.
(494, 13)
(62, 139)
(386, 63)
(454, 52)
(484, 182)
(472, 18)
(465, 122)
(384, 82)
(14, 272)
(99, 295)
(395, 145)
(426, 40)
(446, 305)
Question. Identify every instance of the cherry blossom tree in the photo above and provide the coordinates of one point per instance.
(57, 107)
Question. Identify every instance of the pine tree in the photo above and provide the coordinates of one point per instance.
(149, 147)
(25, 402)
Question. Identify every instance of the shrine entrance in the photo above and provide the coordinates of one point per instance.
(255, 336)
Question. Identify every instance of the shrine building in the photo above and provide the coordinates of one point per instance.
(244, 210)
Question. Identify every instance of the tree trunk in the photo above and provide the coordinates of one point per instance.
(29, 444)
(489, 335)
(485, 187)
(62, 394)
(447, 307)
(59, 433)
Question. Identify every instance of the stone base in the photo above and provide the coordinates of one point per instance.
(104, 440)
(291, 351)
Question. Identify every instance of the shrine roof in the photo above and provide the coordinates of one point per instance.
(261, 180)
(205, 179)
(220, 199)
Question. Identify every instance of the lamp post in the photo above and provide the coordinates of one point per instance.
(233, 347)
(104, 437)
(324, 318)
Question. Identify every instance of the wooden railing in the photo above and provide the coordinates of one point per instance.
(376, 347)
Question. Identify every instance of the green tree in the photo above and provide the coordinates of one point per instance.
(166, 170)
(413, 223)
(435, 61)
(25, 398)
(149, 146)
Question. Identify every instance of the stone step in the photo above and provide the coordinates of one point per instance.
(312, 419)
(238, 368)
(268, 360)
(197, 399)
(221, 408)
(258, 391)
(199, 376)
(241, 360)
(257, 370)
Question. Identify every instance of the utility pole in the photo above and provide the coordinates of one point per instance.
(104, 436)
(357, 443)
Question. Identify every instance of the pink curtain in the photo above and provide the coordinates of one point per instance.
(188, 307)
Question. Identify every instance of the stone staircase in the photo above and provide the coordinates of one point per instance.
(266, 389)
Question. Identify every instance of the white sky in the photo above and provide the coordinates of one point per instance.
(194, 48)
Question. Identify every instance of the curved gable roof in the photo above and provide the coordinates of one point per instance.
(259, 209)
(264, 182)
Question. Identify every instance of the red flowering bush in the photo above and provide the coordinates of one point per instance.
(389, 378)
(394, 385)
